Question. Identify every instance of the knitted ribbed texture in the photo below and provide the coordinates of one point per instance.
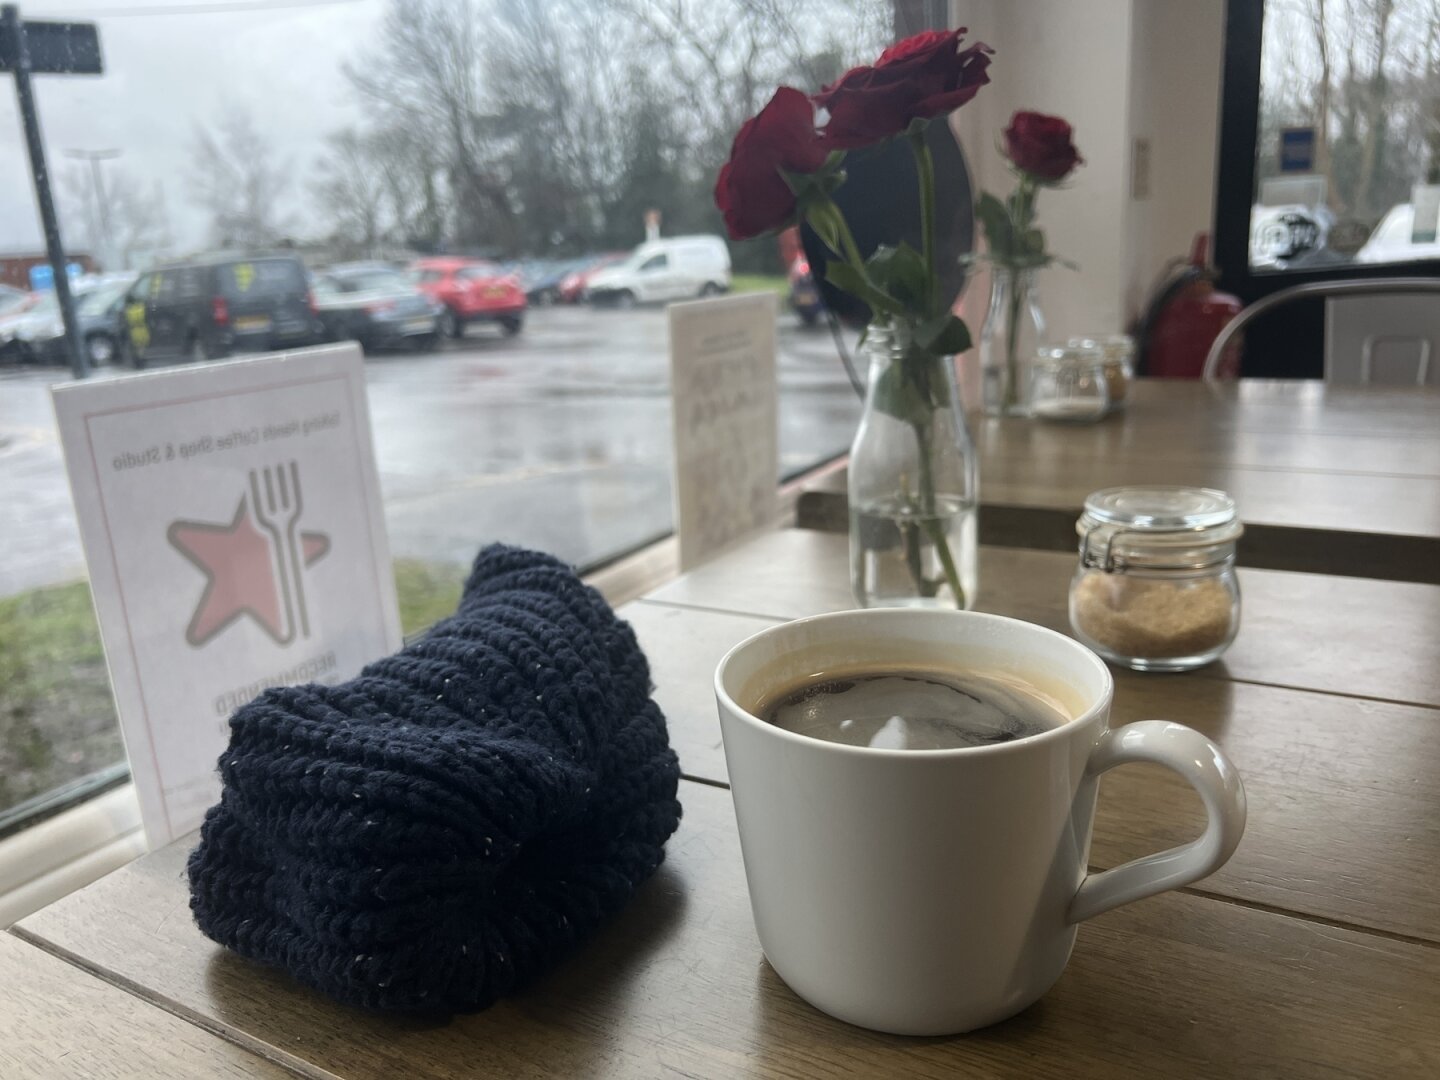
(434, 833)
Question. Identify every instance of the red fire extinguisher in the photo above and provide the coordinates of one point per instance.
(1184, 317)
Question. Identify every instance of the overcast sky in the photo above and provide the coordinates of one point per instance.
(165, 72)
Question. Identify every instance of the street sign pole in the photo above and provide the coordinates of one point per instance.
(16, 57)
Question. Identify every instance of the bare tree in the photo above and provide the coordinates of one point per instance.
(236, 179)
(427, 75)
(530, 126)
(139, 224)
(353, 192)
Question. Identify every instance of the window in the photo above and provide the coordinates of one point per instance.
(261, 277)
(1329, 157)
(1346, 143)
(244, 150)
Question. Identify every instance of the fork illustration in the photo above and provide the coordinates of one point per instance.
(276, 500)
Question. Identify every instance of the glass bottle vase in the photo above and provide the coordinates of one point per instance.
(913, 488)
(1014, 328)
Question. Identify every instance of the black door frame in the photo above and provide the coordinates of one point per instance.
(1235, 174)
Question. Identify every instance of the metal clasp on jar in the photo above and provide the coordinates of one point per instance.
(1109, 562)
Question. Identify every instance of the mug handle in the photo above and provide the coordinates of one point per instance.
(1205, 766)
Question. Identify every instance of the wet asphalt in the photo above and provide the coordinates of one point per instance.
(558, 439)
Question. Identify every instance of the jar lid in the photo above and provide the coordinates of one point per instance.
(1114, 347)
(1157, 525)
(1073, 353)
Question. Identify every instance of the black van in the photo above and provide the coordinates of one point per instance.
(208, 309)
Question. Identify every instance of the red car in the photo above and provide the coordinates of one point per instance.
(572, 285)
(472, 291)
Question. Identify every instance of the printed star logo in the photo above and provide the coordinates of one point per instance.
(255, 565)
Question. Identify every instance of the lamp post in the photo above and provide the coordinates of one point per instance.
(41, 48)
(97, 194)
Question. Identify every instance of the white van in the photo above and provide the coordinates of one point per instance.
(675, 268)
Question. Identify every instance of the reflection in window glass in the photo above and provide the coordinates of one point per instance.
(527, 147)
(1348, 157)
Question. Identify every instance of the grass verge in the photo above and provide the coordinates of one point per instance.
(741, 283)
(57, 718)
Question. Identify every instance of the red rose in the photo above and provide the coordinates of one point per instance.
(921, 77)
(1040, 145)
(750, 191)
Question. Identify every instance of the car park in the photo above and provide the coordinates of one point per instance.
(471, 291)
(377, 306)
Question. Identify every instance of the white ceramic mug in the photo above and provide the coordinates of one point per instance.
(933, 892)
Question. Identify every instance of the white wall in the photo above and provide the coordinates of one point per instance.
(1176, 59)
(1116, 69)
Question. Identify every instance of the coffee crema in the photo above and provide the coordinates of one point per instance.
(897, 709)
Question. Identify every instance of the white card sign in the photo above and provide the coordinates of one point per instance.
(231, 520)
(722, 379)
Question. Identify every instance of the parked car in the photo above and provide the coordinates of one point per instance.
(471, 290)
(34, 332)
(573, 285)
(805, 296)
(100, 314)
(1392, 239)
(12, 299)
(676, 268)
(544, 277)
(208, 309)
(31, 330)
(377, 307)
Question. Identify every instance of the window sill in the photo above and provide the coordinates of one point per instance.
(68, 851)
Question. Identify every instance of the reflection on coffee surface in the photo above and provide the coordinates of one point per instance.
(913, 710)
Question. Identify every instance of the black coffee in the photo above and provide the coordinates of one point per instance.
(913, 710)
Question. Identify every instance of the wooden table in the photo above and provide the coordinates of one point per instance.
(1335, 480)
(1314, 952)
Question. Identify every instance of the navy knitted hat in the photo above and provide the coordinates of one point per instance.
(439, 830)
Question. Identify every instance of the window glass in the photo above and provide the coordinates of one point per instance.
(246, 148)
(260, 277)
(99, 301)
(655, 262)
(1348, 153)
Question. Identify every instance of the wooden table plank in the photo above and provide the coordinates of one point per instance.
(62, 1021)
(1340, 793)
(1197, 438)
(1335, 480)
(1339, 635)
(1289, 406)
(684, 648)
(1375, 503)
(1180, 985)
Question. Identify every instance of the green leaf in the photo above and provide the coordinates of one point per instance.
(943, 336)
(844, 276)
(995, 220)
(821, 218)
(900, 272)
(899, 397)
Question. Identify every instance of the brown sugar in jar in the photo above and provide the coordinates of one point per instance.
(1156, 588)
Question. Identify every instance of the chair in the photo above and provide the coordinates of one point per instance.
(1376, 325)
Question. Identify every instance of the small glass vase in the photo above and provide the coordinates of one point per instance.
(913, 489)
(1014, 328)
